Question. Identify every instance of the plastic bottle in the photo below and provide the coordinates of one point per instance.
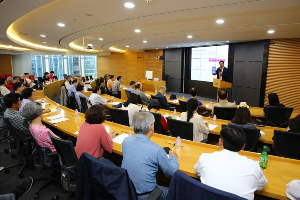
(130, 133)
(234, 102)
(174, 114)
(263, 161)
(182, 98)
(155, 91)
(178, 144)
(57, 107)
(215, 119)
(76, 114)
(210, 104)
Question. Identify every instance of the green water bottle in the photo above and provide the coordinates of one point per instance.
(263, 161)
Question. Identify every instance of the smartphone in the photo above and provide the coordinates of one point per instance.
(167, 149)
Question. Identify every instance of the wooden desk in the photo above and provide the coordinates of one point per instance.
(52, 90)
(280, 171)
(147, 85)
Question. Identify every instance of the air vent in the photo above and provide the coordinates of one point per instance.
(1, 1)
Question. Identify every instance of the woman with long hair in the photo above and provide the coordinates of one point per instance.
(131, 106)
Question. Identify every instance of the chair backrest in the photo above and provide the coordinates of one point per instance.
(2, 76)
(160, 101)
(278, 116)
(184, 186)
(183, 105)
(31, 77)
(65, 76)
(55, 77)
(15, 142)
(87, 78)
(91, 77)
(83, 79)
(286, 144)
(40, 79)
(139, 99)
(84, 106)
(7, 75)
(157, 124)
(180, 128)
(72, 103)
(119, 116)
(2, 108)
(128, 93)
(224, 113)
(252, 136)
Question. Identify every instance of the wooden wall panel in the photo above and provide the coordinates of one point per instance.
(154, 64)
(140, 66)
(283, 75)
(103, 65)
(6, 64)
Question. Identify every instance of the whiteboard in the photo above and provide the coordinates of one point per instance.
(149, 74)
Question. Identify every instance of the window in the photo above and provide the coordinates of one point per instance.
(74, 65)
(56, 65)
(91, 66)
(37, 65)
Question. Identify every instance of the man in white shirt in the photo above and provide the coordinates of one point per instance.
(227, 170)
(3, 89)
(96, 99)
(293, 190)
(67, 82)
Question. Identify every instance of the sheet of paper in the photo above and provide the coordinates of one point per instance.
(55, 121)
(44, 104)
(119, 139)
(262, 133)
(212, 127)
(54, 116)
(114, 103)
(178, 118)
(174, 101)
(38, 100)
(76, 132)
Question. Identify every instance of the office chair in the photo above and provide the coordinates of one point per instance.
(40, 79)
(84, 105)
(139, 99)
(183, 105)
(65, 76)
(127, 93)
(83, 79)
(119, 116)
(158, 128)
(55, 77)
(2, 110)
(278, 116)
(87, 78)
(91, 77)
(180, 128)
(224, 113)
(161, 103)
(286, 144)
(72, 103)
(68, 161)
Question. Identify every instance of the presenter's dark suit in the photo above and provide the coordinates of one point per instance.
(225, 73)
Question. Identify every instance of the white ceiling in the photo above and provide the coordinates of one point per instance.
(164, 23)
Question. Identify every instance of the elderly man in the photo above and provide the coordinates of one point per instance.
(162, 92)
(10, 83)
(223, 95)
(67, 82)
(116, 87)
(138, 91)
(142, 158)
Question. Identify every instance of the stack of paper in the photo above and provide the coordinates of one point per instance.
(119, 139)
(212, 127)
(58, 120)
(55, 116)
(175, 101)
(262, 133)
(114, 103)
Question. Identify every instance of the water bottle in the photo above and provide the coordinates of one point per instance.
(234, 102)
(182, 98)
(76, 114)
(178, 144)
(210, 104)
(215, 119)
(263, 161)
(174, 114)
(130, 133)
(57, 107)
(155, 91)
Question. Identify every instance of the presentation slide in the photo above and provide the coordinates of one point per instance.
(205, 61)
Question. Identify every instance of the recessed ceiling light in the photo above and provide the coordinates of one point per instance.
(192, 44)
(189, 36)
(61, 24)
(156, 48)
(137, 30)
(220, 21)
(100, 38)
(178, 46)
(101, 49)
(44, 42)
(227, 41)
(126, 49)
(271, 31)
(167, 47)
(10, 45)
(129, 5)
(127, 46)
(145, 41)
(43, 35)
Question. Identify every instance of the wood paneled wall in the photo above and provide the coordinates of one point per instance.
(154, 64)
(283, 75)
(6, 64)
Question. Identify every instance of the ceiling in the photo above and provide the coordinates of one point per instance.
(163, 23)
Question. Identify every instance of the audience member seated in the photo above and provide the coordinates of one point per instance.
(292, 190)
(96, 99)
(46, 77)
(18, 87)
(273, 100)
(28, 96)
(27, 80)
(3, 89)
(33, 112)
(142, 158)
(22, 78)
(67, 82)
(138, 91)
(117, 86)
(13, 103)
(110, 82)
(131, 87)
(294, 125)
(228, 171)
(79, 80)
(131, 106)
(79, 94)
(19, 191)
(200, 131)
(102, 86)
(153, 107)
(106, 78)
(16, 79)
(72, 77)
(72, 87)
(223, 95)
(193, 93)
(10, 83)
(93, 137)
(162, 92)
(51, 75)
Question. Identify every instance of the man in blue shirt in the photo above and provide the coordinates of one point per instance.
(161, 94)
(193, 93)
(142, 158)
(131, 87)
(72, 87)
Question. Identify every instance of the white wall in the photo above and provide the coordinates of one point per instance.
(21, 64)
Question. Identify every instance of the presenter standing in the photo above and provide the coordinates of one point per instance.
(222, 72)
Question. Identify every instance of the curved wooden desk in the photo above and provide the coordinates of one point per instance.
(52, 90)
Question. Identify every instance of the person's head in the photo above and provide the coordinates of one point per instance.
(222, 93)
(101, 80)
(18, 87)
(68, 78)
(133, 99)
(132, 84)
(2, 81)
(10, 80)
(12, 101)
(79, 78)
(112, 77)
(163, 90)
(119, 78)
(232, 138)
(22, 76)
(16, 79)
(28, 93)
(221, 63)
(26, 75)
(154, 104)
(107, 76)
(143, 123)
(33, 111)
(273, 99)
(75, 82)
(46, 74)
(79, 88)
(52, 73)
(72, 76)
(192, 106)
(97, 90)
(138, 86)
(242, 116)
(294, 124)
(193, 92)
(95, 115)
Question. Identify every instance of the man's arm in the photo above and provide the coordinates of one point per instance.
(262, 181)
(165, 102)
(168, 165)
(216, 72)
(225, 73)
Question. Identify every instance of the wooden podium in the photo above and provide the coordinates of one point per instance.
(221, 84)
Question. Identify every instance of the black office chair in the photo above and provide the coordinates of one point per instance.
(252, 136)
(119, 116)
(40, 79)
(183, 105)
(65, 76)
(161, 103)
(224, 113)
(91, 77)
(128, 93)
(278, 116)
(84, 105)
(72, 103)
(180, 128)
(139, 99)
(286, 144)
(158, 128)
(83, 79)
(68, 161)
(87, 78)
(2, 126)
(55, 77)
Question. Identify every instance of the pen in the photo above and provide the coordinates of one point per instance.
(173, 146)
